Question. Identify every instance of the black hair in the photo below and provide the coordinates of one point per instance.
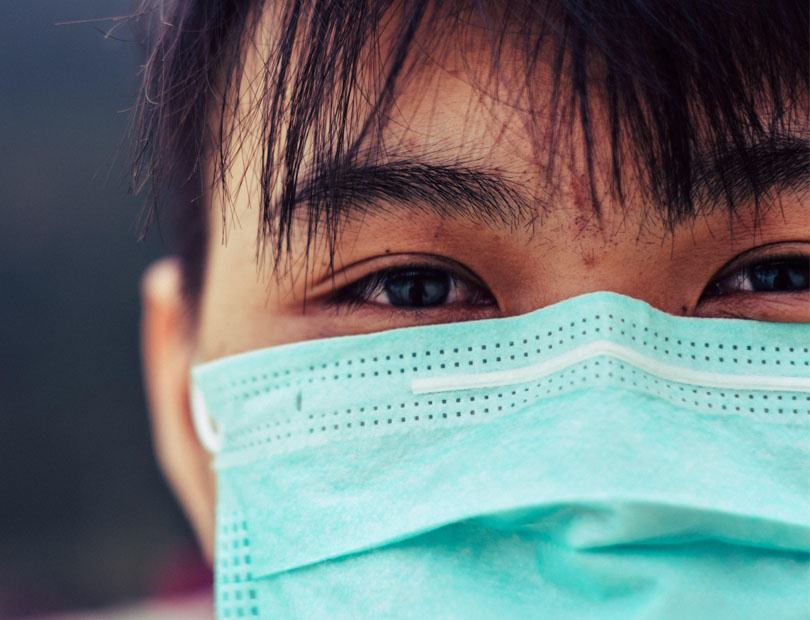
(676, 78)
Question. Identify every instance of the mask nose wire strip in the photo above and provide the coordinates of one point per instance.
(209, 436)
(668, 372)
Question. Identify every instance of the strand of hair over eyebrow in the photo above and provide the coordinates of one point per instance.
(675, 78)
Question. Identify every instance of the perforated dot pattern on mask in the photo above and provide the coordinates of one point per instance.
(432, 410)
(236, 594)
(512, 352)
(294, 418)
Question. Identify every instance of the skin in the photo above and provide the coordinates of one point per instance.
(559, 250)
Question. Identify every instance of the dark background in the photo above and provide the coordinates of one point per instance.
(85, 519)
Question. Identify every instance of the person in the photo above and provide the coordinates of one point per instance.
(483, 309)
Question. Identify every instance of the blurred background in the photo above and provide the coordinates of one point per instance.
(85, 519)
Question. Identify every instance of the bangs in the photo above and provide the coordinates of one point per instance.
(705, 103)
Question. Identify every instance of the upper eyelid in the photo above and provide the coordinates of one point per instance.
(377, 277)
(769, 251)
(346, 277)
(738, 273)
(461, 275)
(372, 284)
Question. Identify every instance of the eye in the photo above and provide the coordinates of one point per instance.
(414, 287)
(769, 283)
(785, 274)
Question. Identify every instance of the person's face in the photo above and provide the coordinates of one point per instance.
(426, 260)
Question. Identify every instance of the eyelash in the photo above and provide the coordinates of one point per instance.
(360, 292)
(740, 274)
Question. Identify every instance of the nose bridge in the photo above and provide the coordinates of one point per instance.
(570, 271)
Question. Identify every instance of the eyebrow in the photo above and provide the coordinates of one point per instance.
(728, 180)
(774, 164)
(445, 189)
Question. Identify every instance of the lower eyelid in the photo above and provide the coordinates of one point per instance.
(778, 307)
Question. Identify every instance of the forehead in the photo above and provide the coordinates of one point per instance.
(449, 73)
(454, 106)
(465, 89)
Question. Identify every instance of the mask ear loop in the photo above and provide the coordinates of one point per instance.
(208, 434)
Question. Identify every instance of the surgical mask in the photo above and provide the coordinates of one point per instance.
(593, 459)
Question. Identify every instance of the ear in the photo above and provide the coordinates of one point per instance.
(167, 343)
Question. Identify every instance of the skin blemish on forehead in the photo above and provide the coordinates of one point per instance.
(589, 257)
(580, 195)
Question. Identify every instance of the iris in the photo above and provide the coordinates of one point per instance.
(421, 288)
(780, 275)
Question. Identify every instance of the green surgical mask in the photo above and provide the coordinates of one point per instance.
(593, 459)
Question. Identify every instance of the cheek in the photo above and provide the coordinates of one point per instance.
(235, 304)
(243, 309)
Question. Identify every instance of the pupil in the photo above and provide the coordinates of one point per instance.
(420, 289)
(788, 275)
